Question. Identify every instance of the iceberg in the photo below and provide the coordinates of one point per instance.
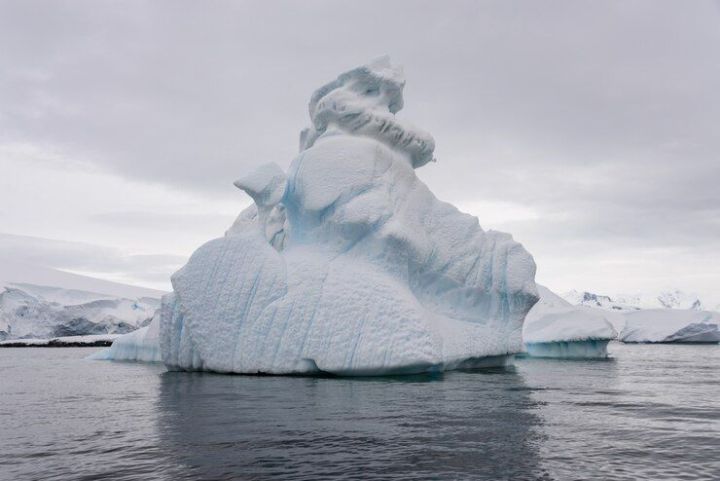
(554, 328)
(671, 326)
(346, 263)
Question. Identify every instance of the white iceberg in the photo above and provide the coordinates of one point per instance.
(671, 326)
(555, 328)
(347, 264)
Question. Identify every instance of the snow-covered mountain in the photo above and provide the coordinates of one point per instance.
(669, 299)
(25, 312)
(41, 302)
(590, 299)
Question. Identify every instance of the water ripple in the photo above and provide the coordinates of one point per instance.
(650, 414)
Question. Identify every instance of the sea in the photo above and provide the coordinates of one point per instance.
(650, 412)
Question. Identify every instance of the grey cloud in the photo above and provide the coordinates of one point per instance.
(602, 116)
(178, 221)
(154, 269)
(193, 95)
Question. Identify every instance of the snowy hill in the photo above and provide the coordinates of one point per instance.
(669, 299)
(589, 299)
(41, 302)
(26, 313)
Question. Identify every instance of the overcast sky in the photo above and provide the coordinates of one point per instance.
(589, 130)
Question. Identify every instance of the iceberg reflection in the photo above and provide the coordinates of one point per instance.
(460, 425)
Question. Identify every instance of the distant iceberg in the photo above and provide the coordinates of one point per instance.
(347, 263)
(671, 326)
(555, 328)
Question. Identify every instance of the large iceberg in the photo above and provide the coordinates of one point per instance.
(671, 326)
(347, 263)
(555, 328)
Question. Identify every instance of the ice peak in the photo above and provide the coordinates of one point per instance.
(383, 68)
(667, 299)
(363, 102)
(266, 184)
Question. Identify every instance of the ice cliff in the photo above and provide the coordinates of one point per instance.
(347, 263)
(555, 328)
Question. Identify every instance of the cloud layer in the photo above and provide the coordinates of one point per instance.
(588, 130)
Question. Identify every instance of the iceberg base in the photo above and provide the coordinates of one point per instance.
(308, 367)
(589, 349)
(137, 346)
(464, 364)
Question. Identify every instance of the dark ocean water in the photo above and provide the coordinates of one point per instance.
(651, 413)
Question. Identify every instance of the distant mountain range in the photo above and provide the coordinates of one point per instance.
(26, 312)
(670, 299)
(40, 303)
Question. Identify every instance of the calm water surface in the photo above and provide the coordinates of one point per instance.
(651, 413)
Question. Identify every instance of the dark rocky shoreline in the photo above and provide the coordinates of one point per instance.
(55, 343)
(68, 341)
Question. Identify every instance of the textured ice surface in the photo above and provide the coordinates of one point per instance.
(350, 265)
(555, 328)
(671, 325)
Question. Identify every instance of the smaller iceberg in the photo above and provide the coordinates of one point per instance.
(671, 326)
(556, 329)
(141, 345)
